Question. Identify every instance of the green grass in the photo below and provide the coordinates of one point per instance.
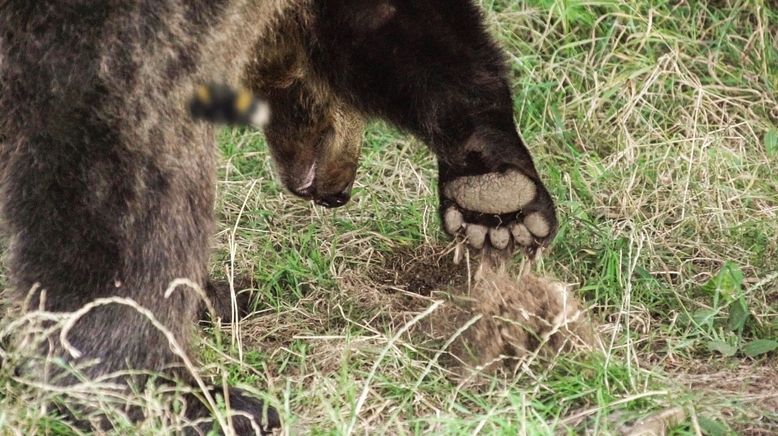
(654, 124)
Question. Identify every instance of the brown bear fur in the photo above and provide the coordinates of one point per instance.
(520, 317)
(430, 68)
(107, 184)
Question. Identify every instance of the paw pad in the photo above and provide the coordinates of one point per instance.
(492, 193)
(496, 209)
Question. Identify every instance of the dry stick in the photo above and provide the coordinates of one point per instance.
(657, 424)
(197, 288)
(16, 324)
(374, 369)
(31, 293)
(235, 327)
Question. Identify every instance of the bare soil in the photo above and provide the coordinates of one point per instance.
(421, 271)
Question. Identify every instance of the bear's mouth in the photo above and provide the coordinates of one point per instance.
(306, 187)
(335, 200)
(310, 188)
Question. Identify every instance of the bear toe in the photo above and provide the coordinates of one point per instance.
(453, 221)
(521, 234)
(537, 224)
(499, 237)
(476, 235)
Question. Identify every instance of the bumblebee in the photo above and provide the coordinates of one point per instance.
(222, 104)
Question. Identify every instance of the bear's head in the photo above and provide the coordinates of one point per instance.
(315, 143)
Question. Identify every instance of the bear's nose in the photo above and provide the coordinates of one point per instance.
(335, 200)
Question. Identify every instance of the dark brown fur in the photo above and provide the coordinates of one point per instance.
(108, 185)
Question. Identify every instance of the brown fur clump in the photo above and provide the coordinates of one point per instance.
(519, 317)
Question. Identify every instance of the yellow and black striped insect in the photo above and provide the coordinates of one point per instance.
(223, 104)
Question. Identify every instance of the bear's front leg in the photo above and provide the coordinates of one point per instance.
(431, 68)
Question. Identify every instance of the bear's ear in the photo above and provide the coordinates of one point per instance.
(371, 15)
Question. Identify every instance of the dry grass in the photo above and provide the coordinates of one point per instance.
(652, 123)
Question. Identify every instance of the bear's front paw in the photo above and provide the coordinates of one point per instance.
(504, 210)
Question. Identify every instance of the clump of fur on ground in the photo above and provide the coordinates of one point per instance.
(517, 318)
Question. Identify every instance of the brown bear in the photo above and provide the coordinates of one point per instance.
(108, 183)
